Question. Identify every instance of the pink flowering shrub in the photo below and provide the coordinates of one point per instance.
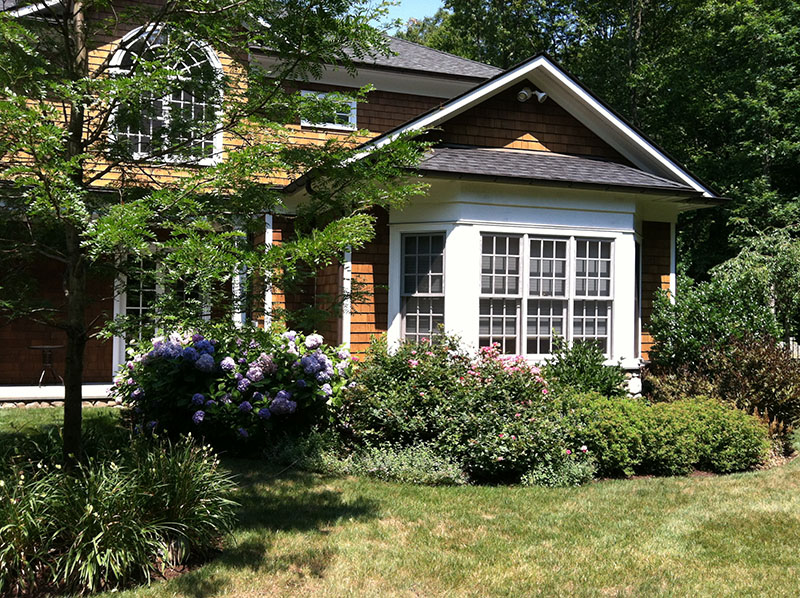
(491, 413)
(233, 386)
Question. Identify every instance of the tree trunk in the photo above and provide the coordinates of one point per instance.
(76, 344)
(75, 283)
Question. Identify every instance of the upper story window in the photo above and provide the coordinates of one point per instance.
(534, 289)
(180, 121)
(342, 114)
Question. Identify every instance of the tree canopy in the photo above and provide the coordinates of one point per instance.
(143, 139)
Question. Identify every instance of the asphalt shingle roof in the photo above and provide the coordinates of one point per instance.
(411, 56)
(544, 167)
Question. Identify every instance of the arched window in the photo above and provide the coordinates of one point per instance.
(176, 120)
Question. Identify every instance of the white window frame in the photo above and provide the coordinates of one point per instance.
(405, 296)
(523, 291)
(116, 68)
(352, 116)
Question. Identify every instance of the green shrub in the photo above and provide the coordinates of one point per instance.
(489, 413)
(757, 375)
(110, 523)
(574, 470)
(613, 428)
(703, 316)
(581, 368)
(670, 439)
(236, 387)
(422, 464)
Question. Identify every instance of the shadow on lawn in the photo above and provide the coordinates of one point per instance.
(270, 504)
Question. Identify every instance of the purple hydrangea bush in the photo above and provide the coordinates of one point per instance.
(234, 385)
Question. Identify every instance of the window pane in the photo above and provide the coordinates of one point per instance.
(500, 263)
(545, 322)
(423, 285)
(498, 323)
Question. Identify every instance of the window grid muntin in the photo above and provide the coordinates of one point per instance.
(546, 319)
(588, 318)
(592, 268)
(499, 323)
(422, 284)
(501, 265)
(524, 307)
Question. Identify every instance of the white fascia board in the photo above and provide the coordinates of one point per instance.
(34, 8)
(608, 126)
(383, 80)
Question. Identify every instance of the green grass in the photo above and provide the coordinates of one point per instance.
(302, 535)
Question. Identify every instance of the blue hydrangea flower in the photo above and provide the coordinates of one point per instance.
(226, 398)
(210, 402)
(327, 390)
(198, 417)
(313, 341)
(245, 407)
(254, 373)
(289, 335)
(264, 413)
(343, 354)
(205, 363)
(309, 364)
(244, 383)
(204, 346)
(197, 338)
(301, 383)
(242, 432)
(283, 394)
(242, 360)
(257, 396)
(323, 376)
(228, 364)
(282, 406)
(198, 399)
(238, 376)
(137, 394)
(190, 354)
(151, 425)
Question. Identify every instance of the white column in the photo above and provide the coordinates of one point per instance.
(267, 285)
(462, 276)
(623, 316)
(673, 260)
(347, 288)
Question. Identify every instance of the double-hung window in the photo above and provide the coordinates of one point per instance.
(536, 288)
(423, 285)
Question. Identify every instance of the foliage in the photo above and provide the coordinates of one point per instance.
(706, 315)
(613, 429)
(422, 464)
(577, 469)
(758, 375)
(97, 207)
(110, 523)
(581, 367)
(627, 436)
(487, 413)
(235, 386)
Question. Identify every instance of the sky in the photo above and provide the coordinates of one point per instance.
(417, 9)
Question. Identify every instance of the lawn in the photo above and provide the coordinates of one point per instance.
(304, 534)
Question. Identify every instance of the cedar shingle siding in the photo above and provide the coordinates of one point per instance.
(655, 273)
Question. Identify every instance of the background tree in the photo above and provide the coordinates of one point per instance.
(87, 138)
(714, 82)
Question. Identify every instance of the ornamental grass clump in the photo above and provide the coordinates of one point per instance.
(113, 522)
(235, 387)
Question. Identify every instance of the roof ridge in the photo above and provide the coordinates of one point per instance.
(400, 39)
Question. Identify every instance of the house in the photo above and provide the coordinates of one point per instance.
(547, 215)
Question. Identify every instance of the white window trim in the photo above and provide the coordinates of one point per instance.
(115, 68)
(352, 117)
